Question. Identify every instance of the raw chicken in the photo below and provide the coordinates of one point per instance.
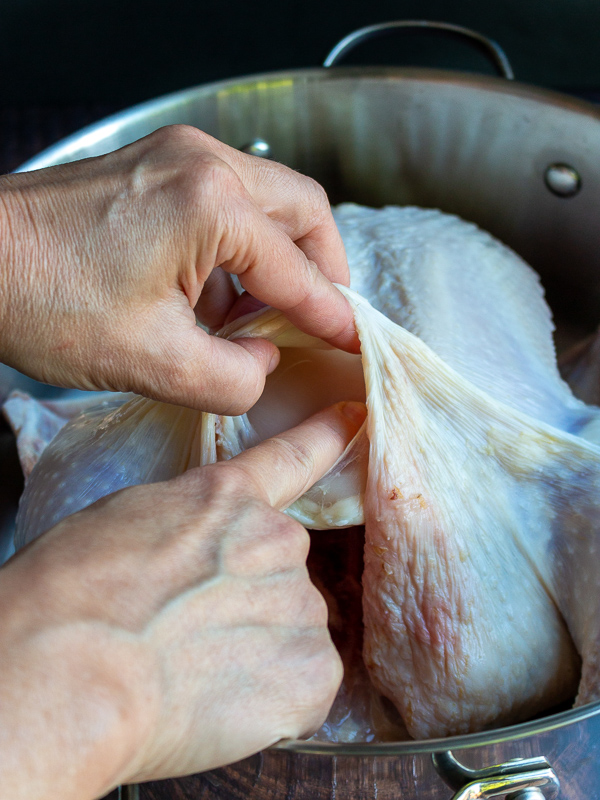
(478, 305)
(481, 527)
(481, 509)
(359, 713)
(35, 423)
(480, 522)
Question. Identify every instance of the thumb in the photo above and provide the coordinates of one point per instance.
(205, 372)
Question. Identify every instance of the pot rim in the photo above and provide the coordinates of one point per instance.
(59, 153)
(462, 742)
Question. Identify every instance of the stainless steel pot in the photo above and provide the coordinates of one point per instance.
(524, 164)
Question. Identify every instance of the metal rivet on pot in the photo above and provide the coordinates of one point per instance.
(562, 180)
(258, 147)
(533, 793)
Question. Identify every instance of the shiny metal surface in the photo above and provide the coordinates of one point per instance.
(491, 49)
(526, 794)
(258, 147)
(475, 146)
(478, 147)
(519, 776)
(457, 775)
(563, 180)
(519, 787)
(131, 792)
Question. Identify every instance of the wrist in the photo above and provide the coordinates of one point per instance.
(73, 703)
(6, 246)
(14, 273)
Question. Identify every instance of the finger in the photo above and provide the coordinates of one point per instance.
(300, 207)
(272, 269)
(216, 300)
(184, 365)
(295, 202)
(283, 468)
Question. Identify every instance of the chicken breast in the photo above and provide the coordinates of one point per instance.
(477, 520)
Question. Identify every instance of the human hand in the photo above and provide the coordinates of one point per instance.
(169, 628)
(103, 261)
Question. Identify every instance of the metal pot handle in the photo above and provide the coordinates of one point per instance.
(492, 50)
(518, 779)
(129, 792)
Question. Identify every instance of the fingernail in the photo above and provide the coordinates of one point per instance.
(349, 339)
(274, 362)
(354, 411)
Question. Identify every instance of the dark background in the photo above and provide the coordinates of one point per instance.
(71, 51)
(64, 63)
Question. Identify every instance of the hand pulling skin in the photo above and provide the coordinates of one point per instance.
(480, 497)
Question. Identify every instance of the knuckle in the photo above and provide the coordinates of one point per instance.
(297, 457)
(215, 484)
(318, 201)
(309, 200)
(328, 671)
(175, 136)
(248, 389)
(203, 172)
(200, 175)
(302, 604)
(296, 537)
(171, 372)
(317, 193)
(283, 530)
(227, 480)
(267, 546)
(314, 608)
(209, 181)
(317, 683)
(168, 377)
(213, 175)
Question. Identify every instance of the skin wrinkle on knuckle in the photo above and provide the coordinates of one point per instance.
(226, 481)
(212, 177)
(175, 137)
(295, 458)
(306, 204)
(316, 679)
(230, 489)
(251, 240)
(264, 543)
(290, 540)
(295, 536)
(319, 203)
(237, 389)
(191, 367)
(312, 280)
(314, 608)
(282, 600)
(165, 379)
(304, 283)
(304, 210)
(209, 188)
